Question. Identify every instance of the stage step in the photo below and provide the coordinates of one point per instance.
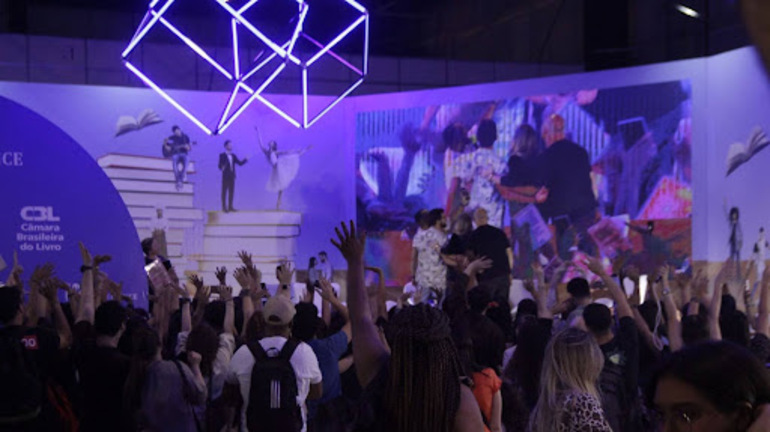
(119, 160)
(146, 184)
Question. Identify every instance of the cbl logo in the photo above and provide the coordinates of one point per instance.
(12, 159)
(39, 214)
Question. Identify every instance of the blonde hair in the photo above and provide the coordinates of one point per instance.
(526, 142)
(572, 364)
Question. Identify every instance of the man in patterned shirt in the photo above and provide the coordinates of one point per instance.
(430, 269)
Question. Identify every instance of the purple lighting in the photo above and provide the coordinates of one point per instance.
(238, 76)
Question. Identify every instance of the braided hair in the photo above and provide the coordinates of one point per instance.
(423, 391)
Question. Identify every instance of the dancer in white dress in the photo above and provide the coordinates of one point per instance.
(285, 166)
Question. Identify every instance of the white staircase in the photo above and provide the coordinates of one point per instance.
(146, 184)
(270, 236)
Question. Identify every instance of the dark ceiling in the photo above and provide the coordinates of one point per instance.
(598, 34)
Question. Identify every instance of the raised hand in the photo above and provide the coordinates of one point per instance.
(256, 276)
(663, 271)
(202, 295)
(49, 290)
(60, 284)
(242, 276)
(595, 266)
(326, 290)
(632, 272)
(529, 285)
(14, 278)
(564, 306)
(115, 289)
(221, 274)
(225, 293)
(538, 272)
(307, 295)
(197, 281)
(101, 259)
(285, 273)
(42, 273)
(350, 243)
(100, 278)
(245, 258)
(86, 255)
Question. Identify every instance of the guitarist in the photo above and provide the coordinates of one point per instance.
(177, 147)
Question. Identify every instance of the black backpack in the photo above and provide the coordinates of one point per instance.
(273, 395)
(21, 392)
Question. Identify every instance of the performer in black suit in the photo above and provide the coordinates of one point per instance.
(227, 163)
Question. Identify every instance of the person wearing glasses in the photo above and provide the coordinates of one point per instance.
(711, 387)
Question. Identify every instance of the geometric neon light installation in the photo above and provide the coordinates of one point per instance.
(239, 74)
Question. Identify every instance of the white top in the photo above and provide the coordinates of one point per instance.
(303, 361)
(326, 269)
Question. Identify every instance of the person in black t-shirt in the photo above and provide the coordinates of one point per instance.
(102, 368)
(619, 379)
(491, 242)
(38, 349)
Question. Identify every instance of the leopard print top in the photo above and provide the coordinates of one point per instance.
(583, 413)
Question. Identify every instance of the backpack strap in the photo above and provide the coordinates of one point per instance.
(257, 351)
(288, 349)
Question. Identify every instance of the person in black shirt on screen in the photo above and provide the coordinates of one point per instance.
(571, 202)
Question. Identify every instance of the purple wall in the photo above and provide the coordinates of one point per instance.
(738, 102)
(730, 94)
(89, 114)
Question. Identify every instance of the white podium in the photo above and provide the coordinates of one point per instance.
(146, 184)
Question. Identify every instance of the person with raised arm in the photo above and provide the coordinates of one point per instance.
(324, 413)
(28, 353)
(227, 163)
(521, 376)
(415, 387)
(619, 379)
(101, 367)
(284, 165)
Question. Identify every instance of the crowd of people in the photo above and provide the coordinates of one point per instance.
(684, 355)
